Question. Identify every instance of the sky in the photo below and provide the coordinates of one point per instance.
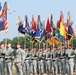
(44, 8)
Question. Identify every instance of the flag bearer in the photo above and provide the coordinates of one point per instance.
(71, 55)
(19, 59)
(9, 57)
(2, 58)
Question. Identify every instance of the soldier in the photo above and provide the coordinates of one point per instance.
(63, 59)
(2, 59)
(9, 57)
(34, 57)
(71, 55)
(55, 60)
(19, 59)
(59, 60)
(41, 61)
(75, 60)
(27, 61)
(48, 60)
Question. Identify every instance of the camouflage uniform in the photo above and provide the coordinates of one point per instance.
(27, 62)
(9, 56)
(2, 61)
(48, 61)
(34, 64)
(55, 63)
(71, 56)
(19, 60)
(41, 61)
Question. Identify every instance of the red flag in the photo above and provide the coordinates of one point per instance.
(5, 25)
(33, 24)
(48, 27)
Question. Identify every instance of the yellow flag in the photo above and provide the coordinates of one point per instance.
(62, 30)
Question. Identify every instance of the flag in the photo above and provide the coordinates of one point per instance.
(58, 36)
(26, 23)
(4, 25)
(54, 40)
(38, 27)
(62, 27)
(33, 27)
(48, 27)
(4, 11)
(51, 22)
(42, 32)
(58, 24)
(3, 19)
(70, 33)
(22, 30)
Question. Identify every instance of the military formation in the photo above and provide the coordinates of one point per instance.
(58, 61)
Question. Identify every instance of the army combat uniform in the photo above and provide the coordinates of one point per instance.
(63, 61)
(9, 57)
(48, 62)
(71, 55)
(34, 63)
(41, 58)
(19, 60)
(27, 63)
(2, 61)
(55, 63)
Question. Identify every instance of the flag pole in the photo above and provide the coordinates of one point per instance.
(17, 23)
(43, 46)
(18, 37)
(5, 40)
(25, 40)
(39, 45)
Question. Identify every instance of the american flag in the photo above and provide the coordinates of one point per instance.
(4, 18)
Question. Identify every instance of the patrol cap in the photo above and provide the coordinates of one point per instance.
(1, 43)
(8, 42)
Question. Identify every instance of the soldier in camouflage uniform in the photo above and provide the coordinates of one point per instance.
(41, 61)
(59, 60)
(63, 59)
(75, 61)
(71, 55)
(19, 59)
(34, 57)
(55, 61)
(9, 57)
(27, 61)
(2, 59)
(48, 60)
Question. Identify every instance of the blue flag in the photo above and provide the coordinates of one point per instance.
(42, 33)
(22, 30)
(70, 32)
